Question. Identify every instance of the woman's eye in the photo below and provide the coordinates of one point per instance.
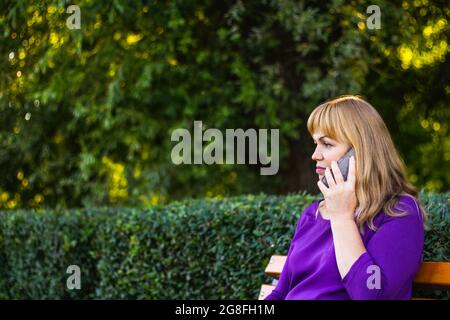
(327, 145)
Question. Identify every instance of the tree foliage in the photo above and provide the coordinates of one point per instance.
(86, 115)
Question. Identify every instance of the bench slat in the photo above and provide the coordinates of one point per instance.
(436, 274)
(266, 289)
(275, 265)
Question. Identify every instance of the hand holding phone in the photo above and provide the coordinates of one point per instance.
(343, 164)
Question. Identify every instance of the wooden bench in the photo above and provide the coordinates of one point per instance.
(431, 275)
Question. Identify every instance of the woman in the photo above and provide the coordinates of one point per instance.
(364, 238)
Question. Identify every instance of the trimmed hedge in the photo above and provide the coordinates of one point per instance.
(194, 249)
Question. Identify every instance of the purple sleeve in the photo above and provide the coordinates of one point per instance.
(282, 288)
(393, 256)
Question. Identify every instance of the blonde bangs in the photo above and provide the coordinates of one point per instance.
(327, 119)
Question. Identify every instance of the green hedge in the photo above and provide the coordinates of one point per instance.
(195, 249)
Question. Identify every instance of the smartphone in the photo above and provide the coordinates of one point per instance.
(343, 164)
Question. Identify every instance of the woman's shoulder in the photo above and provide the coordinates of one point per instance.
(307, 213)
(310, 210)
(409, 206)
(407, 219)
(407, 202)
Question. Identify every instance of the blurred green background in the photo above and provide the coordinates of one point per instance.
(86, 115)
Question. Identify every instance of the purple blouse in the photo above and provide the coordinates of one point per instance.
(385, 271)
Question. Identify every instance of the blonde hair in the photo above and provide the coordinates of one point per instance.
(380, 171)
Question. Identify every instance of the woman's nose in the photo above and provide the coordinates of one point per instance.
(316, 155)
